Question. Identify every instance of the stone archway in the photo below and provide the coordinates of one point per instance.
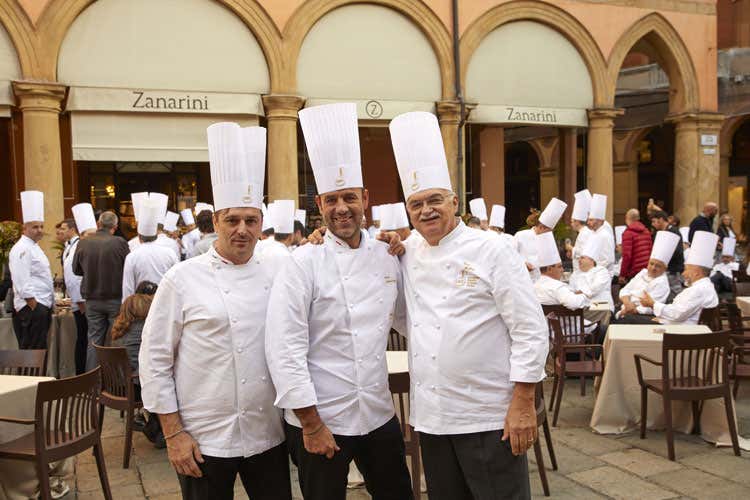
(20, 31)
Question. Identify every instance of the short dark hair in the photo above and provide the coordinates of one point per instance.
(268, 232)
(147, 239)
(676, 219)
(71, 223)
(473, 220)
(659, 214)
(146, 288)
(205, 221)
(281, 236)
(298, 226)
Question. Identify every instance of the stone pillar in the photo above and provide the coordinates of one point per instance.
(492, 161)
(40, 104)
(724, 179)
(696, 167)
(449, 116)
(567, 146)
(599, 177)
(281, 113)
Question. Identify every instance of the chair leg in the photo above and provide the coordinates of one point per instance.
(583, 386)
(696, 417)
(668, 423)
(540, 466)
(561, 385)
(101, 418)
(732, 424)
(550, 448)
(554, 390)
(42, 470)
(102, 468)
(416, 473)
(644, 411)
(128, 438)
(736, 388)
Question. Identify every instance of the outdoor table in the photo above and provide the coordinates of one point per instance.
(744, 304)
(618, 403)
(398, 361)
(61, 342)
(18, 479)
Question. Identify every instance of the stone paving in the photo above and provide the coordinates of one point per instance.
(590, 466)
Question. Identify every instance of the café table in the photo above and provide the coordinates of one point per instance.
(18, 479)
(617, 409)
(744, 304)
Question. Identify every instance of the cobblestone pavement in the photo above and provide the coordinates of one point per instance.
(590, 465)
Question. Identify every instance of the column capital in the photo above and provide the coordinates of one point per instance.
(448, 112)
(604, 116)
(705, 120)
(39, 96)
(283, 106)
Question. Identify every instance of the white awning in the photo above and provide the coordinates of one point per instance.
(372, 109)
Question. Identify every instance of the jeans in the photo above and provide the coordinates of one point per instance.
(100, 315)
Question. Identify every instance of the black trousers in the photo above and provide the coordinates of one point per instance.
(379, 456)
(722, 284)
(264, 476)
(475, 466)
(635, 319)
(82, 339)
(32, 327)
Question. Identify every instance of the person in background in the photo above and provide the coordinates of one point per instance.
(704, 221)
(660, 222)
(549, 288)
(479, 210)
(299, 235)
(636, 246)
(474, 223)
(539, 223)
(192, 233)
(578, 218)
(86, 223)
(721, 274)
(603, 231)
(725, 229)
(205, 223)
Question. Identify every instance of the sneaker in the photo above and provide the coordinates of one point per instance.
(59, 488)
(139, 423)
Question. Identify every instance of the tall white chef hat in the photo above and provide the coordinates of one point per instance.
(187, 217)
(332, 141)
(200, 207)
(497, 216)
(236, 182)
(137, 199)
(394, 217)
(150, 213)
(267, 217)
(727, 247)
(161, 200)
(665, 244)
(592, 248)
(83, 213)
(547, 251)
(618, 234)
(301, 216)
(478, 208)
(552, 213)
(581, 206)
(685, 232)
(598, 207)
(376, 212)
(170, 221)
(702, 249)
(420, 153)
(282, 214)
(32, 206)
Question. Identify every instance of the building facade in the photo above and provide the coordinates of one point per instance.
(102, 98)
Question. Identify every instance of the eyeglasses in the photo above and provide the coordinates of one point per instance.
(433, 201)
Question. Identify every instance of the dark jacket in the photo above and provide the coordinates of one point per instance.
(636, 249)
(700, 223)
(677, 263)
(100, 259)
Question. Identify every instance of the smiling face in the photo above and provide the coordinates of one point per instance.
(343, 212)
(238, 230)
(656, 268)
(432, 213)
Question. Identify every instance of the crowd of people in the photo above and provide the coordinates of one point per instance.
(255, 343)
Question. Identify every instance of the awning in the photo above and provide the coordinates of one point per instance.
(377, 109)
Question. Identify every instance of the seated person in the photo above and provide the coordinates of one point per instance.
(652, 280)
(592, 280)
(721, 274)
(700, 294)
(549, 289)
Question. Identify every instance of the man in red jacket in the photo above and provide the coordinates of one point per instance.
(636, 246)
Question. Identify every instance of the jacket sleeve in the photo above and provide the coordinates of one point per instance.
(20, 271)
(682, 307)
(571, 300)
(627, 254)
(659, 291)
(77, 258)
(128, 280)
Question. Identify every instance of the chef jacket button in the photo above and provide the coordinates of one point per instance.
(380, 328)
(243, 412)
(243, 380)
(377, 384)
(445, 297)
(361, 388)
(414, 267)
(437, 327)
(447, 266)
(433, 356)
(359, 360)
(346, 278)
(380, 300)
(234, 320)
(432, 387)
(226, 290)
(260, 408)
(265, 287)
(377, 357)
(263, 378)
(351, 306)
(419, 383)
(415, 354)
(239, 349)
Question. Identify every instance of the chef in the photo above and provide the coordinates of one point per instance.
(687, 305)
(373, 230)
(652, 280)
(328, 322)
(136, 199)
(603, 231)
(193, 234)
(394, 218)
(549, 288)
(83, 213)
(478, 209)
(526, 239)
(279, 246)
(33, 291)
(721, 274)
(592, 280)
(149, 261)
(578, 218)
(478, 339)
(167, 222)
(202, 360)
(497, 224)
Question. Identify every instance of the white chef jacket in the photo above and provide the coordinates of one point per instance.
(205, 243)
(687, 305)
(657, 288)
(505, 236)
(275, 253)
(134, 243)
(726, 269)
(328, 321)
(583, 235)
(148, 262)
(202, 354)
(596, 284)
(189, 240)
(475, 327)
(552, 292)
(72, 280)
(171, 243)
(606, 257)
(526, 245)
(30, 272)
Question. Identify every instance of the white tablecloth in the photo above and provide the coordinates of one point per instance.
(744, 304)
(398, 361)
(618, 404)
(61, 343)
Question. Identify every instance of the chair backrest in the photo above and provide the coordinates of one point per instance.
(67, 415)
(733, 315)
(711, 317)
(116, 372)
(28, 362)
(399, 386)
(396, 341)
(571, 322)
(740, 276)
(695, 361)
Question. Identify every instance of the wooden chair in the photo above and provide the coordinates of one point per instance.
(396, 341)
(27, 362)
(399, 385)
(565, 342)
(741, 276)
(711, 317)
(541, 421)
(739, 363)
(118, 391)
(741, 288)
(693, 368)
(65, 424)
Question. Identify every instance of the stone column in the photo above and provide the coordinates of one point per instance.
(724, 179)
(40, 104)
(568, 181)
(696, 167)
(449, 116)
(599, 177)
(281, 113)
(492, 161)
